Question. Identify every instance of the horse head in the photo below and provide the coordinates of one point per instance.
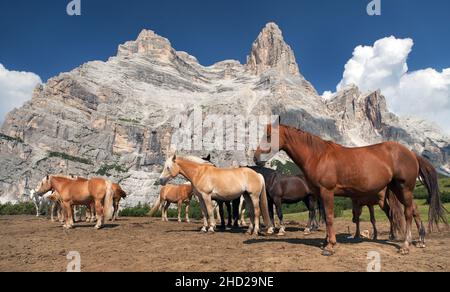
(269, 145)
(170, 171)
(44, 186)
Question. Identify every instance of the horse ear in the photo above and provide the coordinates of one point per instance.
(174, 157)
(48, 177)
(208, 158)
(279, 120)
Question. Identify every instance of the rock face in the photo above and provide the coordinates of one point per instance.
(114, 118)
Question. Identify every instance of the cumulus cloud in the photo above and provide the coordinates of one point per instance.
(15, 89)
(423, 93)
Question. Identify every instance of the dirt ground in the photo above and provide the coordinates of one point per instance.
(143, 244)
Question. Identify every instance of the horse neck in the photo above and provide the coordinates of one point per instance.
(189, 169)
(55, 184)
(301, 146)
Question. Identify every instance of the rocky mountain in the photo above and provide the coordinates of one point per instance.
(114, 118)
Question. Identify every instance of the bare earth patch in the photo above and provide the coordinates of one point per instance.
(144, 244)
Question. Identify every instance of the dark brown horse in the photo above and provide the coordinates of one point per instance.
(283, 189)
(333, 170)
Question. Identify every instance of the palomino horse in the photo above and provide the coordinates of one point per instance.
(333, 170)
(118, 195)
(173, 194)
(76, 192)
(213, 183)
(288, 190)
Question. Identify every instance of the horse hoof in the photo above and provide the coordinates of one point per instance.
(404, 251)
(421, 245)
(281, 234)
(211, 231)
(270, 231)
(204, 230)
(327, 253)
(307, 231)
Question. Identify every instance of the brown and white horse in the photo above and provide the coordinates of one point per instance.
(333, 170)
(79, 191)
(173, 194)
(212, 183)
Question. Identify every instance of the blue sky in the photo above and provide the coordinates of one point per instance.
(39, 37)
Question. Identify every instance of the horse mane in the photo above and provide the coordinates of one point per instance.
(195, 159)
(315, 142)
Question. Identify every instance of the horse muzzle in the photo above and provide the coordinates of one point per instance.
(163, 181)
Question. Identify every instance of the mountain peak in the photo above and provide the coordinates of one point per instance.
(148, 43)
(270, 51)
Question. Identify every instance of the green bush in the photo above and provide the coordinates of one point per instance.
(289, 168)
(69, 157)
(294, 208)
(9, 138)
(17, 209)
(138, 211)
(105, 169)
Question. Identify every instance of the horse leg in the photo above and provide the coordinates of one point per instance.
(69, 218)
(230, 214)
(251, 214)
(278, 206)
(205, 214)
(256, 214)
(270, 205)
(116, 211)
(420, 227)
(210, 208)
(221, 214)
(99, 214)
(357, 211)
(180, 208)
(373, 221)
(188, 207)
(52, 212)
(236, 204)
(328, 202)
(242, 208)
(166, 212)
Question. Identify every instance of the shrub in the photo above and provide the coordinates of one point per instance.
(9, 138)
(138, 211)
(69, 157)
(105, 169)
(17, 209)
(289, 168)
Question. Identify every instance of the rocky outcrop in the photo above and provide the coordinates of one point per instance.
(114, 118)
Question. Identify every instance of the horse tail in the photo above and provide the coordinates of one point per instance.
(109, 200)
(396, 213)
(264, 204)
(429, 177)
(155, 207)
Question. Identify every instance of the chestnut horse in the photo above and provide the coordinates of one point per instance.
(212, 183)
(79, 191)
(333, 170)
(394, 212)
(173, 194)
(118, 195)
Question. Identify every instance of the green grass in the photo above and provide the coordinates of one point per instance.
(143, 210)
(379, 214)
(17, 209)
(69, 157)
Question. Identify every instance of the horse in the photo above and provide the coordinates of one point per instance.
(334, 170)
(234, 208)
(393, 210)
(288, 190)
(173, 194)
(212, 183)
(118, 195)
(79, 191)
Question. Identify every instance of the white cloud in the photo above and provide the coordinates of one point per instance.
(15, 89)
(423, 93)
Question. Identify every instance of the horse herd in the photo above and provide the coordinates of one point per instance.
(384, 174)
